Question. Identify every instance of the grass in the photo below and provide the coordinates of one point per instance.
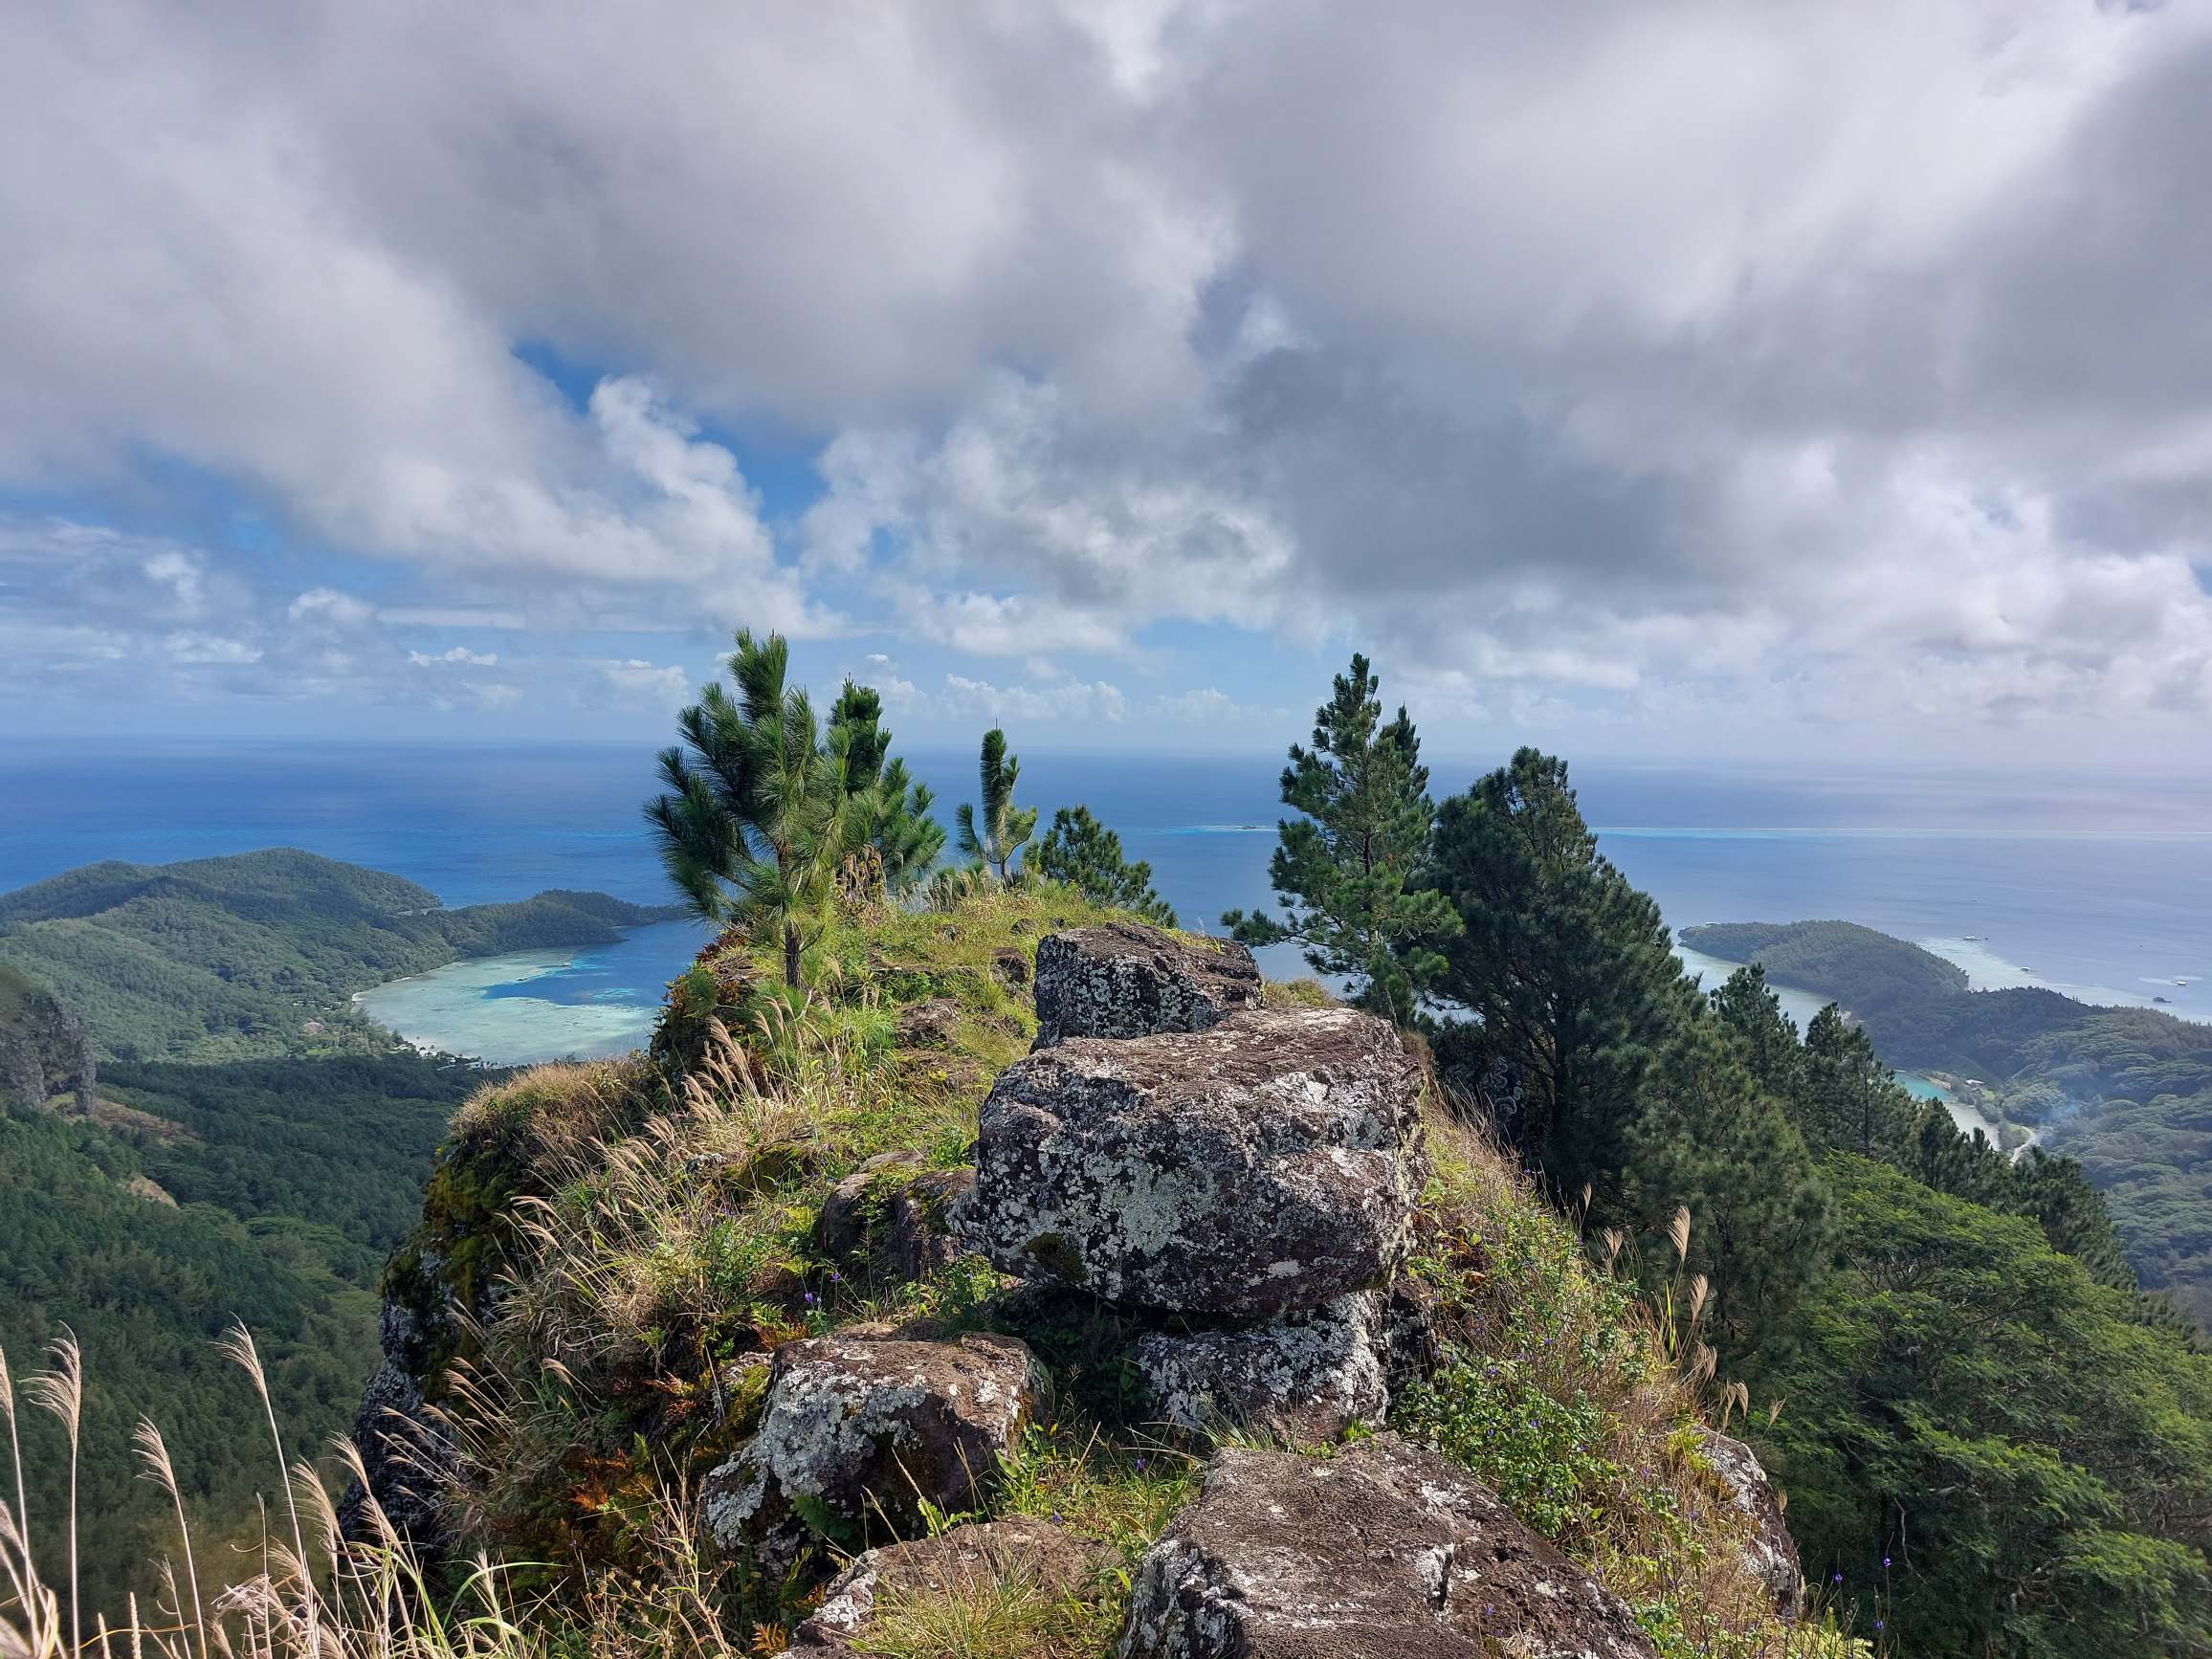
(626, 1243)
(1578, 1404)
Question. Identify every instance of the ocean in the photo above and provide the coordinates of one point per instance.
(2098, 885)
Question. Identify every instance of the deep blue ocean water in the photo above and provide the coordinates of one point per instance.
(2099, 886)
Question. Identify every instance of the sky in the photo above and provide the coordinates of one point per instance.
(1711, 378)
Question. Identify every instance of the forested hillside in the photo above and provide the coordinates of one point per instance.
(2126, 1092)
(1864, 970)
(258, 955)
(268, 1191)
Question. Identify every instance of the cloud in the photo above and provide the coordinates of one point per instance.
(212, 648)
(330, 607)
(962, 700)
(1598, 362)
(459, 654)
(1211, 707)
(644, 685)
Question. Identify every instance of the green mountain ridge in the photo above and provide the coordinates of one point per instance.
(2126, 1092)
(258, 955)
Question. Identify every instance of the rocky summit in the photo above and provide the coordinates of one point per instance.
(1268, 1163)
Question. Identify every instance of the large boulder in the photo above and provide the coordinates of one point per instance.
(1020, 1553)
(1770, 1553)
(1303, 1379)
(859, 1430)
(1126, 980)
(1268, 1163)
(1382, 1551)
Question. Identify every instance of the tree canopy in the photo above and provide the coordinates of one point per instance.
(1348, 873)
(764, 805)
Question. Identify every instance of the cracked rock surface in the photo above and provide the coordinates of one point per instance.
(1301, 1377)
(1382, 1551)
(859, 1429)
(1126, 980)
(1266, 1163)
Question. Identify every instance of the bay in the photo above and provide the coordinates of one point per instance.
(2098, 885)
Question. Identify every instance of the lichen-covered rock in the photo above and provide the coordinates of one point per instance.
(889, 1218)
(1268, 1163)
(1020, 1551)
(1381, 1551)
(1406, 1340)
(407, 1459)
(858, 1429)
(1126, 980)
(1771, 1554)
(1301, 1377)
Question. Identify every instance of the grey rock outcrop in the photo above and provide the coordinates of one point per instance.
(44, 1048)
(1303, 1378)
(1041, 1558)
(22, 1078)
(1771, 1555)
(1382, 1551)
(1126, 980)
(857, 1429)
(408, 1457)
(1266, 1163)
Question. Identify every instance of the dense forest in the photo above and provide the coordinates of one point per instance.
(146, 1214)
(2125, 1092)
(259, 954)
(268, 1191)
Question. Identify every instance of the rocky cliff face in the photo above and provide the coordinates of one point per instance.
(44, 1051)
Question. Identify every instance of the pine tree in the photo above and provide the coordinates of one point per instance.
(1707, 1137)
(1850, 1099)
(757, 815)
(1087, 856)
(1566, 971)
(994, 830)
(898, 825)
(1348, 873)
(1765, 1038)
